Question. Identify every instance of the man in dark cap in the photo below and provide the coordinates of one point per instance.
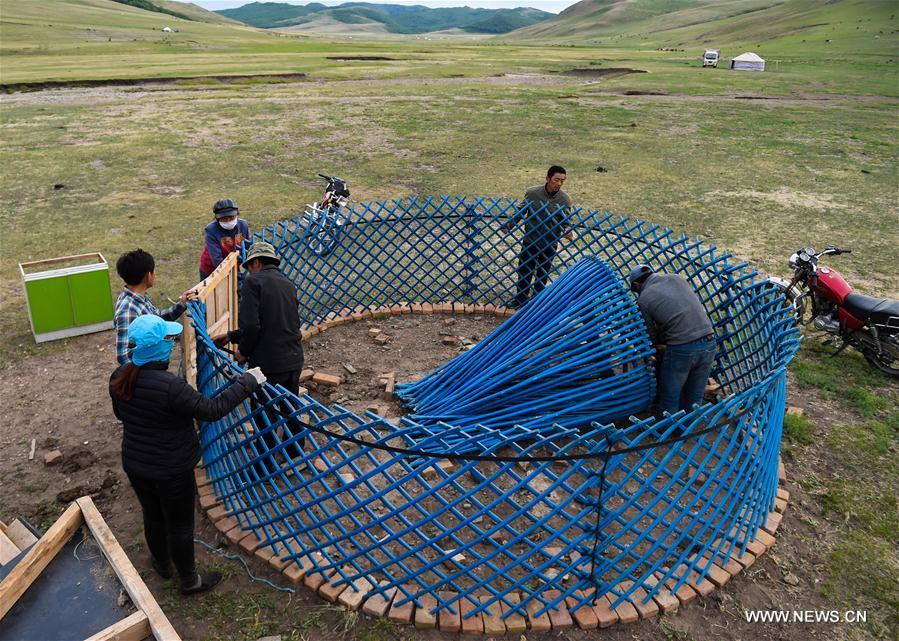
(222, 236)
(268, 334)
(676, 320)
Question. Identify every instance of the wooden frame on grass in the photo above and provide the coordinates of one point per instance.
(149, 620)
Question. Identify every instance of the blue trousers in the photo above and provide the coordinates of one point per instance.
(684, 373)
(535, 261)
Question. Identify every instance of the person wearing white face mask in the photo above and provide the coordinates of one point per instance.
(223, 235)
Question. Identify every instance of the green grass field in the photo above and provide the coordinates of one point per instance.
(759, 164)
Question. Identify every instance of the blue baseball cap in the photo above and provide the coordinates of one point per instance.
(148, 335)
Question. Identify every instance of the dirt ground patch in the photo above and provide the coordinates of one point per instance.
(785, 197)
(60, 400)
(415, 346)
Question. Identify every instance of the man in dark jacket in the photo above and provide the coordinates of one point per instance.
(268, 333)
(160, 447)
(675, 318)
(546, 212)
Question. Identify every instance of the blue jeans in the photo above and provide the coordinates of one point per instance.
(684, 373)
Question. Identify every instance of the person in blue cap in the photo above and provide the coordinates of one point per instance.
(682, 332)
(160, 447)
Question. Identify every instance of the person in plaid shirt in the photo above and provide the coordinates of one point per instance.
(137, 269)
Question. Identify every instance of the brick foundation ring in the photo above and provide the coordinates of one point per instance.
(584, 517)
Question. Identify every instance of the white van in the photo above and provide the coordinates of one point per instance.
(710, 58)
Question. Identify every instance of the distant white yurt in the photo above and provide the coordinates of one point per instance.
(748, 62)
(167, 30)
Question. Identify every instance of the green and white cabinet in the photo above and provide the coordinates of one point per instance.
(67, 296)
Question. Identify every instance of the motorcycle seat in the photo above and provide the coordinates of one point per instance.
(869, 309)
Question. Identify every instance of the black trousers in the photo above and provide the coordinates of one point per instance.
(289, 381)
(535, 261)
(168, 508)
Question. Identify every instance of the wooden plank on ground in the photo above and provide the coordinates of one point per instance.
(132, 628)
(38, 557)
(20, 535)
(121, 565)
(8, 549)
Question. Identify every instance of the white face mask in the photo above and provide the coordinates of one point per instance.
(229, 226)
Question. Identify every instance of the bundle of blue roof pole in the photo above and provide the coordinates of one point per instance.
(577, 352)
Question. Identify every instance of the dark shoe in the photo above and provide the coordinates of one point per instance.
(203, 583)
(162, 569)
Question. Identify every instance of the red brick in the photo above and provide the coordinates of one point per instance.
(664, 598)
(278, 563)
(377, 605)
(326, 379)
(401, 613)
(514, 622)
(781, 471)
(717, 574)
(217, 513)
(355, 593)
(449, 621)
(584, 615)
(626, 611)
(294, 572)
(493, 621)
(250, 543)
(538, 623)
(264, 554)
(757, 548)
(427, 308)
(773, 522)
(645, 610)
(559, 616)
(314, 579)
(783, 493)
(765, 539)
(604, 614)
(746, 560)
(424, 614)
(226, 524)
(333, 588)
(471, 624)
(209, 501)
(235, 534)
(201, 477)
(780, 505)
(685, 593)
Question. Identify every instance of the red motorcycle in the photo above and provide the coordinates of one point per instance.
(821, 296)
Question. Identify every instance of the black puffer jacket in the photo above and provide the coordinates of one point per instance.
(159, 439)
(268, 331)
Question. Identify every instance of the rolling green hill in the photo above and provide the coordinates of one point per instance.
(399, 19)
(185, 10)
(784, 26)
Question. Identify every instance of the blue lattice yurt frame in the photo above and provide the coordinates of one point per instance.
(497, 522)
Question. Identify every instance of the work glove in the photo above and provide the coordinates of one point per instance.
(256, 373)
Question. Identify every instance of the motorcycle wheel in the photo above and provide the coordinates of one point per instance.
(887, 361)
